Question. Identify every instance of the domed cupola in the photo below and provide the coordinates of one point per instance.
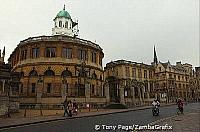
(64, 25)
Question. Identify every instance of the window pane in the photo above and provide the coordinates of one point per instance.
(53, 52)
(69, 53)
(33, 87)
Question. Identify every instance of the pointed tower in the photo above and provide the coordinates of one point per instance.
(155, 59)
(2, 56)
(64, 25)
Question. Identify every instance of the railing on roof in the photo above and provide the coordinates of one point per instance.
(60, 38)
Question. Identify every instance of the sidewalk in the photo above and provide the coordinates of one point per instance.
(189, 122)
(19, 120)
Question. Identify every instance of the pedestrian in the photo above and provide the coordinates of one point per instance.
(70, 108)
(65, 104)
(180, 105)
(75, 107)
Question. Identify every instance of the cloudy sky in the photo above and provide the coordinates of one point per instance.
(125, 29)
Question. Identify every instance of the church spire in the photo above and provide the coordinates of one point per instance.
(155, 59)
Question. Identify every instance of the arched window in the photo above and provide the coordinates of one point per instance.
(94, 75)
(66, 73)
(60, 23)
(66, 24)
(21, 74)
(33, 73)
(49, 73)
(100, 77)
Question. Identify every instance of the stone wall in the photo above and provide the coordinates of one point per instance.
(4, 101)
(7, 104)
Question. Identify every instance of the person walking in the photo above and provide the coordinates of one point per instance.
(65, 104)
(180, 105)
(70, 108)
(75, 107)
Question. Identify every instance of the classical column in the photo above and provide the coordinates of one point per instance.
(121, 94)
(133, 95)
(107, 92)
(148, 90)
(3, 86)
(139, 93)
(87, 92)
(39, 90)
(142, 88)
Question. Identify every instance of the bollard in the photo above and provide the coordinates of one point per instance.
(41, 114)
(25, 112)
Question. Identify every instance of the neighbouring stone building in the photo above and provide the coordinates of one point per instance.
(134, 83)
(172, 81)
(4, 75)
(7, 84)
(194, 85)
(129, 82)
(59, 66)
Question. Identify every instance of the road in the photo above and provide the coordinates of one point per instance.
(87, 124)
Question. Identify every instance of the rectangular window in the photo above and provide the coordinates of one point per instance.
(127, 72)
(35, 52)
(179, 85)
(145, 73)
(92, 89)
(50, 52)
(82, 54)
(150, 74)
(48, 87)
(33, 88)
(94, 57)
(134, 72)
(67, 53)
(139, 73)
(170, 75)
(23, 54)
(21, 88)
(151, 87)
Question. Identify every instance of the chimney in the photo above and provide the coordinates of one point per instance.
(178, 64)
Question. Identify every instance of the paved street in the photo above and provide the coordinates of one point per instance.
(87, 124)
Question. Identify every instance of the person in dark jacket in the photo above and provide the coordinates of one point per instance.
(65, 104)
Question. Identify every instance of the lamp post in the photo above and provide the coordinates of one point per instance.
(83, 74)
(39, 93)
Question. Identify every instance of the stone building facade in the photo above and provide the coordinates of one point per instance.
(8, 82)
(61, 66)
(4, 75)
(135, 83)
(194, 85)
(129, 82)
(172, 81)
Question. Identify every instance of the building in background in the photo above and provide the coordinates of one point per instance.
(8, 83)
(4, 75)
(172, 81)
(129, 82)
(60, 66)
(134, 83)
(194, 85)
